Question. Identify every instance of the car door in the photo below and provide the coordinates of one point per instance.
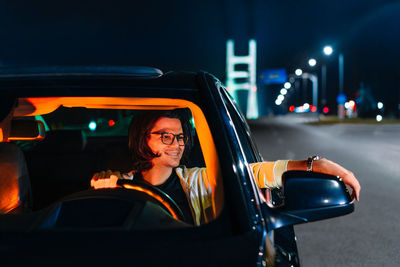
(284, 238)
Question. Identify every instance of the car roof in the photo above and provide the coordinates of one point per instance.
(138, 72)
(97, 81)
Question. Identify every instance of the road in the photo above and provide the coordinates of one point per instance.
(371, 235)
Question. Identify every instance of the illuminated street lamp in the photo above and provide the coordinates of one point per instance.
(328, 50)
(312, 62)
(287, 85)
(283, 91)
(298, 72)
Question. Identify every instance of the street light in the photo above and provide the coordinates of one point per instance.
(287, 85)
(328, 50)
(298, 72)
(312, 62)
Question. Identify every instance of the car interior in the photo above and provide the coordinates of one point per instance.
(66, 140)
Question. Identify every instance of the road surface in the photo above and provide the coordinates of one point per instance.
(371, 235)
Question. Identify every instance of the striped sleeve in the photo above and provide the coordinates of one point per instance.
(268, 174)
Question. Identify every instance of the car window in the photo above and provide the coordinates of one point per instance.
(83, 140)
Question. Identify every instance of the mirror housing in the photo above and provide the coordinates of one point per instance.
(25, 129)
(308, 197)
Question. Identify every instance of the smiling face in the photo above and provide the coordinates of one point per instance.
(169, 155)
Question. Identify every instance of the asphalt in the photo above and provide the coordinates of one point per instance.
(371, 235)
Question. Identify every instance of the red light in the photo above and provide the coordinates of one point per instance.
(325, 110)
(111, 123)
(313, 109)
(291, 108)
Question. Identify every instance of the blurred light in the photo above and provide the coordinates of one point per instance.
(92, 125)
(298, 72)
(281, 97)
(380, 105)
(328, 50)
(292, 79)
(111, 123)
(378, 118)
(312, 62)
(313, 109)
(352, 104)
(287, 85)
(347, 105)
(306, 106)
(283, 91)
(325, 110)
(278, 102)
(299, 109)
(291, 108)
(254, 88)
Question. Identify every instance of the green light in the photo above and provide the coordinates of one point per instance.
(92, 125)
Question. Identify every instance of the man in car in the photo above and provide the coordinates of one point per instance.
(160, 142)
(15, 188)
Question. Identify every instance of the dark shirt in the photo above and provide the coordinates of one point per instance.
(173, 188)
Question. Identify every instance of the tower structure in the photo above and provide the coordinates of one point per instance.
(248, 75)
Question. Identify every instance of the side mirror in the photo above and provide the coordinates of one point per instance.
(308, 197)
(24, 129)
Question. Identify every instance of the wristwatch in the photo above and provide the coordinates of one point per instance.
(310, 161)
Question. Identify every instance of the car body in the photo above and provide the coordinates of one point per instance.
(246, 226)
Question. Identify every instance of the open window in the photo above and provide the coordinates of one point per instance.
(89, 134)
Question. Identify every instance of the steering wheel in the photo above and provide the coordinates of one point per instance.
(157, 195)
(134, 206)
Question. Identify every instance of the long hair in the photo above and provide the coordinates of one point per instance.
(140, 128)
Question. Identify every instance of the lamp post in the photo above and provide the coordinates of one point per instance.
(314, 79)
(328, 50)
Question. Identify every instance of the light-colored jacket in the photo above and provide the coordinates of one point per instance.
(198, 190)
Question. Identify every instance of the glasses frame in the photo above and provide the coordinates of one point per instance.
(185, 138)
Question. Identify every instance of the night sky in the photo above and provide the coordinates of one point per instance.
(191, 35)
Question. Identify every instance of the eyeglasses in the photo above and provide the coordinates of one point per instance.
(168, 138)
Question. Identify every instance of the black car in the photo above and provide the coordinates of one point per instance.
(71, 122)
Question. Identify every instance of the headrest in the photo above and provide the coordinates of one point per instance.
(60, 141)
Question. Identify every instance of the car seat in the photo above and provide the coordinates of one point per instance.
(15, 187)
